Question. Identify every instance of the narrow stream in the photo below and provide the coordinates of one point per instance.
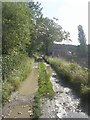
(65, 103)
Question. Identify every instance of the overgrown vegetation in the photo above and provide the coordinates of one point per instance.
(15, 41)
(17, 75)
(45, 88)
(73, 73)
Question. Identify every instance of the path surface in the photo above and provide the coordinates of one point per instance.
(65, 103)
(20, 103)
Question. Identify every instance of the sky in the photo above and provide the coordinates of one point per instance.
(70, 13)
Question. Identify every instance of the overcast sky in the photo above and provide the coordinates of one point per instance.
(70, 13)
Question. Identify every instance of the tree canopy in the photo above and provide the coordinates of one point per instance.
(25, 32)
(25, 28)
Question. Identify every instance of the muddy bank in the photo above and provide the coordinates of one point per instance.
(65, 103)
(20, 102)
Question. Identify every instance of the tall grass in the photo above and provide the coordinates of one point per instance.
(12, 80)
(73, 73)
(45, 88)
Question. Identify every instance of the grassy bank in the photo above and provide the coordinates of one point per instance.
(13, 79)
(45, 88)
(74, 74)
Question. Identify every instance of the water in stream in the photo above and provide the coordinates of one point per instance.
(65, 103)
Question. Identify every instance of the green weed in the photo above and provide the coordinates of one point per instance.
(45, 89)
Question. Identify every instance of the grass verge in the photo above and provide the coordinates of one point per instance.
(45, 89)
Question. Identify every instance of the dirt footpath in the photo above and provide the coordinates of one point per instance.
(20, 103)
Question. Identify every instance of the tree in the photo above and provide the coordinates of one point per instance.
(37, 15)
(50, 31)
(82, 41)
(15, 24)
(44, 31)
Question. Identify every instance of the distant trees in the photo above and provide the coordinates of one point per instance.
(82, 41)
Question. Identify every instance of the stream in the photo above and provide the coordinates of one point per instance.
(65, 103)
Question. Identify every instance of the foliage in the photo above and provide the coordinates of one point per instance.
(45, 31)
(36, 21)
(25, 28)
(15, 23)
(45, 86)
(10, 63)
(36, 8)
(49, 31)
(72, 73)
